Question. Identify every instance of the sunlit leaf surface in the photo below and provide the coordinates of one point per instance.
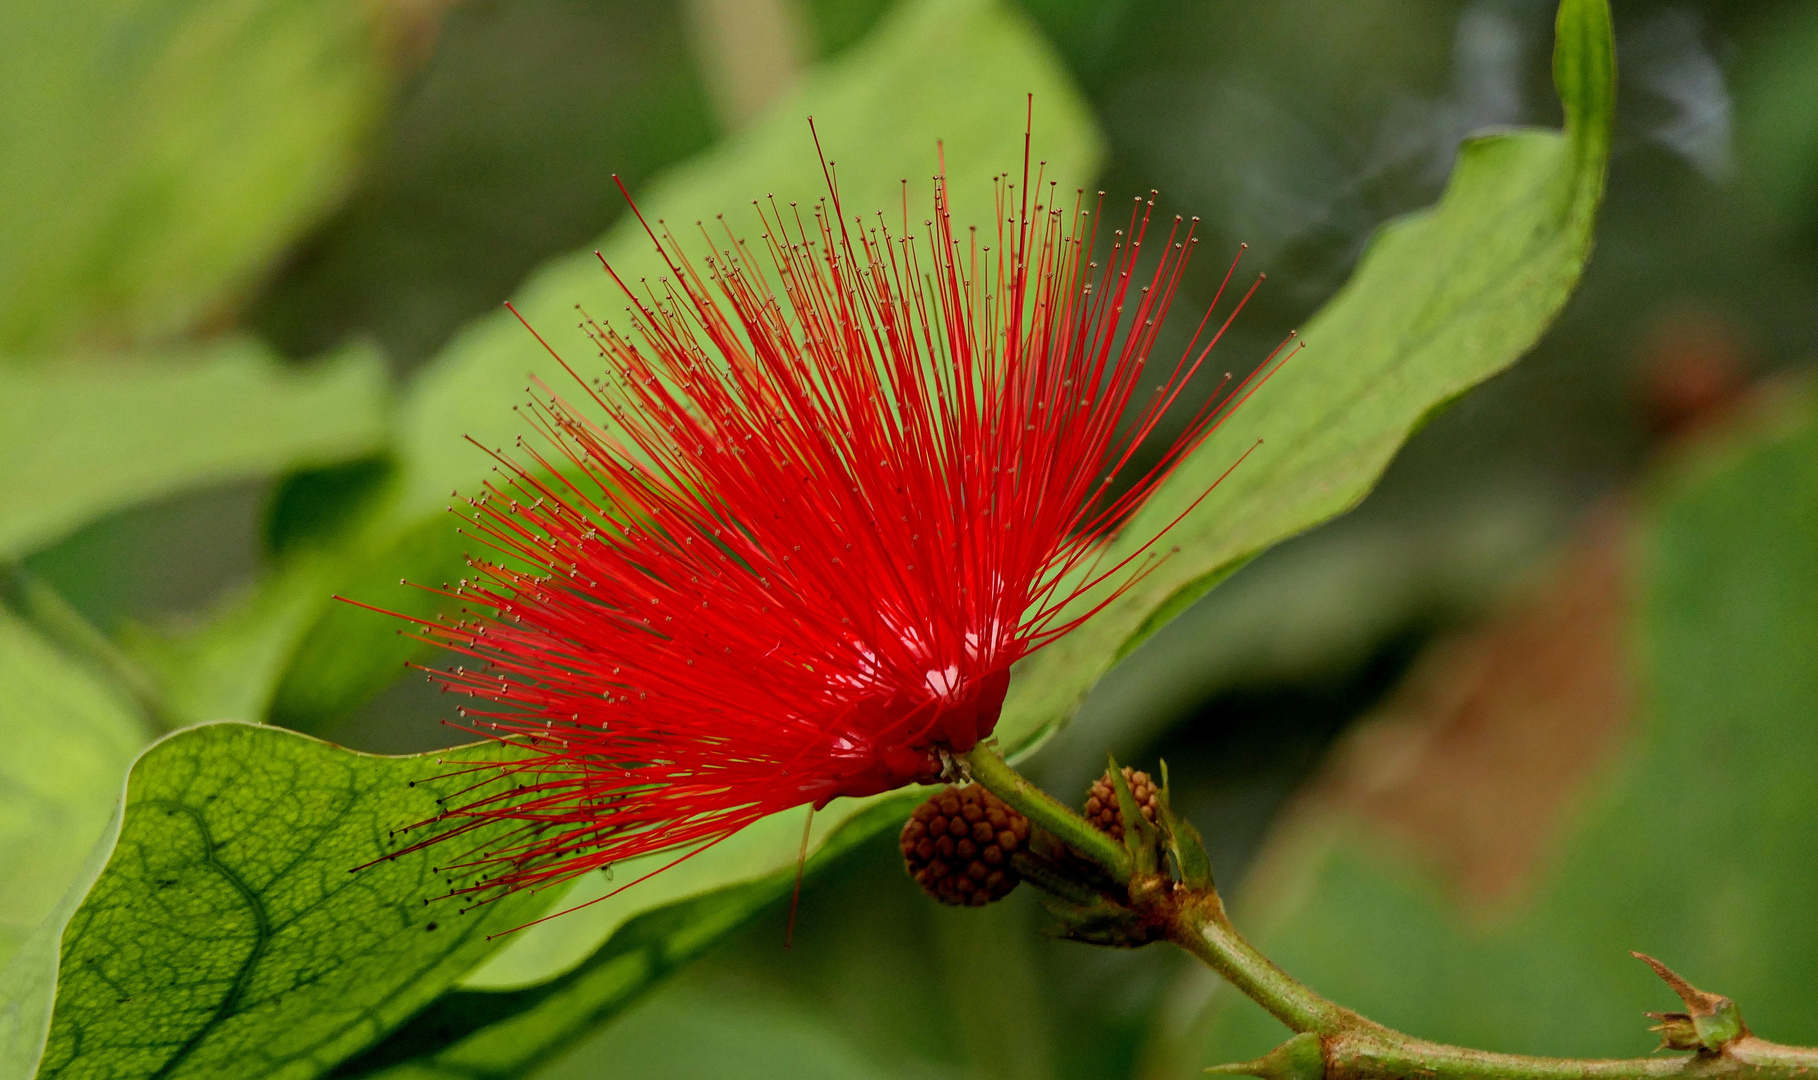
(157, 154)
(1441, 301)
(81, 441)
(68, 739)
(229, 934)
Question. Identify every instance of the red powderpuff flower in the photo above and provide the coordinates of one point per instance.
(820, 527)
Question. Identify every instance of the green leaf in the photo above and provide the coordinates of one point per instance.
(919, 988)
(731, 1034)
(480, 1033)
(228, 935)
(770, 845)
(1442, 300)
(228, 667)
(68, 740)
(282, 650)
(348, 653)
(1695, 845)
(157, 154)
(82, 441)
(315, 508)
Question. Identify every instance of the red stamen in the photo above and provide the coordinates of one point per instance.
(821, 509)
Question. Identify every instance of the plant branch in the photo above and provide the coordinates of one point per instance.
(1370, 1056)
(1352, 1047)
(1198, 924)
(1142, 903)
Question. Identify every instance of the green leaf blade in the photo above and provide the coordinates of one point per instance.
(229, 934)
(1441, 300)
(501, 1033)
(80, 442)
(69, 740)
(158, 154)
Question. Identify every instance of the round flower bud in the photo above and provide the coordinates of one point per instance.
(957, 846)
(1101, 801)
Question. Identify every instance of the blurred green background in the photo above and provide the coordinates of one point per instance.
(345, 187)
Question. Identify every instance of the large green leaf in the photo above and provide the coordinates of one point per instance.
(731, 1034)
(68, 740)
(469, 1034)
(271, 652)
(229, 936)
(81, 441)
(1697, 848)
(280, 649)
(228, 667)
(156, 154)
(348, 654)
(1442, 300)
(915, 988)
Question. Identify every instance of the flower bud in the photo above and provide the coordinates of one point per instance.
(958, 844)
(1101, 801)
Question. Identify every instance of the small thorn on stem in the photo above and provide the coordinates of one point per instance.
(1711, 1021)
(1697, 1002)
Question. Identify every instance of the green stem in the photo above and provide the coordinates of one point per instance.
(1355, 1048)
(989, 769)
(1199, 925)
(1390, 1054)
(1332, 1042)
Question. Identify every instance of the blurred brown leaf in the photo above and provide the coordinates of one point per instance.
(1478, 759)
